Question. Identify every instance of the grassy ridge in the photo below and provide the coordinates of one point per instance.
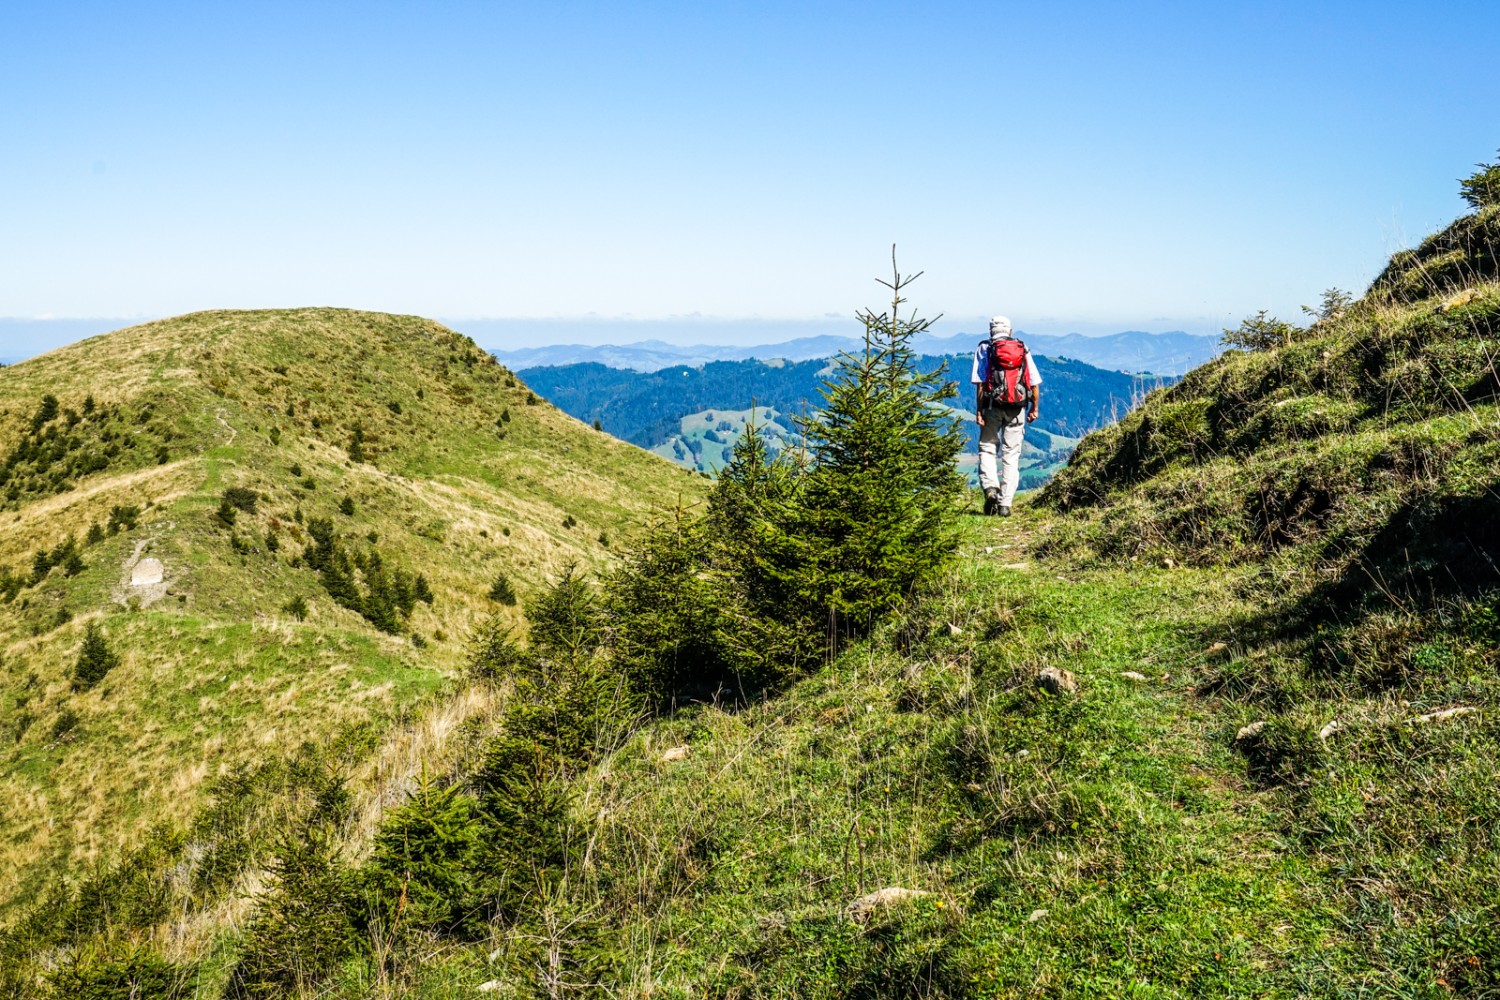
(465, 476)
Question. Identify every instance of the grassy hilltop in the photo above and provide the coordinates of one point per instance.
(410, 449)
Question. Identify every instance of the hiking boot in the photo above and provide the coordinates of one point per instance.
(991, 501)
(1004, 511)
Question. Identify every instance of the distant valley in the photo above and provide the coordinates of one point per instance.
(693, 415)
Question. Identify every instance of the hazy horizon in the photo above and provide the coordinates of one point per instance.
(22, 338)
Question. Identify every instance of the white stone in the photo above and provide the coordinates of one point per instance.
(1249, 732)
(1131, 675)
(147, 573)
(677, 753)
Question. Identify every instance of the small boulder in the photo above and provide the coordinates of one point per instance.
(1248, 733)
(676, 753)
(1055, 680)
(1217, 649)
(1036, 915)
(954, 629)
(865, 906)
(1132, 675)
(147, 573)
(1330, 729)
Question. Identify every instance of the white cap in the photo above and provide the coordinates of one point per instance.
(1000, 327)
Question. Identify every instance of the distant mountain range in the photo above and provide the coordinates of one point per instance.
(1130, 351)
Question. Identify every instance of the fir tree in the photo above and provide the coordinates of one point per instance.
(567, 621)
(95, 659)
(1482, 188)
(668, 613)
(877, 515)
(45, 413)
(301, 930)
(502, 592)
(357, 444)
(41, 565)
(338, 580)
(766, 627)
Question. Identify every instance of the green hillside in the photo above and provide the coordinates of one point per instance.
(330, 495)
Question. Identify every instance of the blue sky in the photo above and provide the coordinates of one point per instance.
(1089, 166)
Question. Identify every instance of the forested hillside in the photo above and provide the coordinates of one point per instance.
(662, 410)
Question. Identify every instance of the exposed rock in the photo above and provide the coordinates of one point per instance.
(676, 753)
(1330, 729)
(1131, 675)
(1055, 680)
(1217, 649)
(954, 629)
(146, 573)
(1249, 732)
(1443, 716)
(1016, 566)
(143, 581)
(862, 908)
(1035, 916)
(1169, 563)
(489, 987)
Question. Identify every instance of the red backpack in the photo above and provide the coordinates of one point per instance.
(1007, 380)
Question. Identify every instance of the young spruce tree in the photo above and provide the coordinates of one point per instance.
(877, 514)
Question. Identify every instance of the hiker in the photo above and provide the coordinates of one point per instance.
(1006, 384)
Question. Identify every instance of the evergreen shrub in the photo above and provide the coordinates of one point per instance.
(502, 591)
(141, 974)
(95, 659)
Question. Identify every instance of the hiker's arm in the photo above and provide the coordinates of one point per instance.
(979, 403)
(1036, 398)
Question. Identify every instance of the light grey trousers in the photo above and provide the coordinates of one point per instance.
(1003, 431)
